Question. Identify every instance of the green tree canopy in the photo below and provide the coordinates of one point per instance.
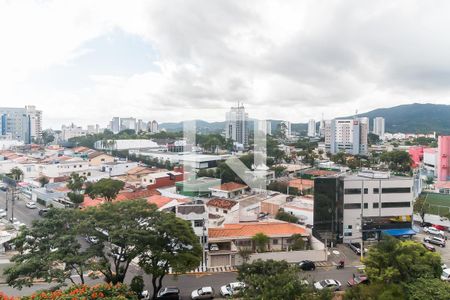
(276, 280)
(261, 241)
(395, 261)
(106, 187)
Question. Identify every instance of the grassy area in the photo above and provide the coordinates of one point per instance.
(438, 204)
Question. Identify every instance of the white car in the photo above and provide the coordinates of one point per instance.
(231, 289)
(31, 205)
(213, 247)
(331, 284)
(3, 213)
(433, 231)
(206, 292)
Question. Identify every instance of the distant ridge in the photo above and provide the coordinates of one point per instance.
(407, 118)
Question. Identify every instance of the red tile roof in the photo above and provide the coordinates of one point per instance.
(158, 200)
(319, 172)
(301, 184)
(248, 230)
(221, 203)
(122, 196)
(230, 187)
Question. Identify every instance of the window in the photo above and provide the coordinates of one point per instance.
(402, 190)
(245, 243)
(376, 190)
(375, 205)
(366, 205)
(275, 241)
(217, 210)
(352, 206)
(198, 223)
(347, 234)
(352, 191)
(366, 191)
(225, 211)
(395, 204)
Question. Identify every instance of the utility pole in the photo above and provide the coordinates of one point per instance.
(13, 194)
(6, 198)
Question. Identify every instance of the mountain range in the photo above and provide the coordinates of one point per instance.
(407, 118)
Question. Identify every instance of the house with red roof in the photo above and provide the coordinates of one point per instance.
(225, 242)
(228, 190)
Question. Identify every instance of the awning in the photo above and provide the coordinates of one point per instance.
(400, 232)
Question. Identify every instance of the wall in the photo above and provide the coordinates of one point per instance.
(291, 256)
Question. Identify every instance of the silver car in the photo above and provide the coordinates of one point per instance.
(203, 293)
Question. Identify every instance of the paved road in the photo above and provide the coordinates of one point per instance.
(21, 212)
(187, 283)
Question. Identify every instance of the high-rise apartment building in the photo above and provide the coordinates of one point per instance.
(236, 125)
(347, 135)
(443, 159)
(141, 125)
(378, 126)
(311, 128)
(128, 124)
(286, 128)
(153, 126)
(115, 125)
(22, 124)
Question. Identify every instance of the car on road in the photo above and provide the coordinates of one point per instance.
(231, 289)
(435, 240)
(433, 231)
(307, 265)
(3, 213)
(167, 293)
(206, 292)
(31, 205)
(91, 239)
(429, 247)
(331, 284)
(356, 247)
(43, 212)
(358, 279)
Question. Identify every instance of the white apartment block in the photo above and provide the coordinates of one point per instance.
(347, 135)
(236, 125)
(312, 128)
(72, 131)
(378, 127)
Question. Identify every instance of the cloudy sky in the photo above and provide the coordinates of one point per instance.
(86, 61)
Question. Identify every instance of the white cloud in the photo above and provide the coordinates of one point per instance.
(283, 59)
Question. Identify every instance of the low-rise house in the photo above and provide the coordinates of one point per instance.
(230, 238)
(99, 158)
(198, 187)
(222, 207)
(228, 190)
(161, 179)
(196, 213)
(118, 168)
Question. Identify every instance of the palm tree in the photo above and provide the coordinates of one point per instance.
(261, 240)
(16, 173)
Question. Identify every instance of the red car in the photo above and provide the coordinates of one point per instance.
(358, 279)
(429, 247)
(440, 227)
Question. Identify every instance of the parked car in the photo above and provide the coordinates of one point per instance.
(31, 205)
(91, 239)
(435, 240)
(206, 292)
(231, 289)
(331, 284)
(356, 247)
(3, 187)
(445, 274)
(307, 265)
(433, 231)
(358, 279)
(3, 213)
(167, 293)
(213, 247)
(43, 212)
(429, 247)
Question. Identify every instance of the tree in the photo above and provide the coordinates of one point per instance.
(49, 250)
(375, 291)
(137, 285)
(122, 229)
(75, 184)
(287, 217)
(171, 244)
(373, 138)
(420, 206)
(398, 161)
(43, 180)
(276, 280)
(297, 242)
(245, 253)
(261, 241)
(279, 171)
(16, 173)
(106, 188)
(430, 289)
(47, 137)
(395, 261)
